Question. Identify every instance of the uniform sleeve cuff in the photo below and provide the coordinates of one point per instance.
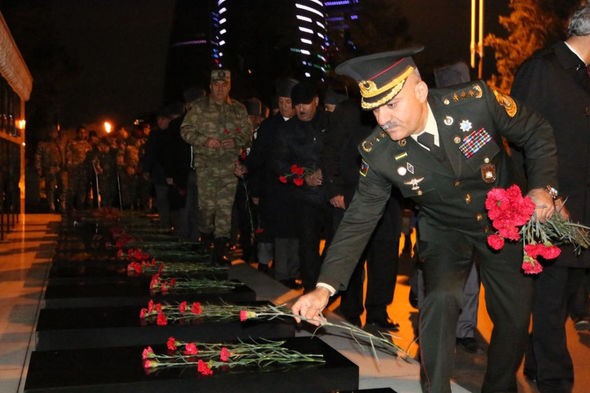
(326, 286)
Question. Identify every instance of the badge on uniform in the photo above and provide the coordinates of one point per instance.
(364, 168)
(474, 141)
(488, 173)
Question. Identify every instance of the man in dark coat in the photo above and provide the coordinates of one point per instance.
(341, 162)
(555, 82)
(449, 178)
(277, 240)
(300, 142)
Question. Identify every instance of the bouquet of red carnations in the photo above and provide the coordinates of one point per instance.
(511, 214)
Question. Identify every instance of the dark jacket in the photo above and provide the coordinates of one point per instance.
(301, 143)
(341, 160)
(554, 82)
(276, 214)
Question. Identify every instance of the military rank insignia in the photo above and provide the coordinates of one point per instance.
(364, 168)
(474, 141)
(488, 173)
(507, 102)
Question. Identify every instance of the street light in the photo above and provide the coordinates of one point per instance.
(473, 46)
(108, 127)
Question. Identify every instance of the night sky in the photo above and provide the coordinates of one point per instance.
(120, 48)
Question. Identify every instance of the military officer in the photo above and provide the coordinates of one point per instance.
(449, 179)
(217, 127)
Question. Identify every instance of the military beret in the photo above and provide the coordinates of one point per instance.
(220, 76)
(380, 76)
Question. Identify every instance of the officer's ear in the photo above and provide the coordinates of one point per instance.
(421, 90)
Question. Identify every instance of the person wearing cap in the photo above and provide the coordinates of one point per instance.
(555, 81)
(300, 142)
(218, 128)
(449, 177)
(277, 238)
(340, 160)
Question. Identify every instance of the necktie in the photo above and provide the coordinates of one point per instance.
(427, 140)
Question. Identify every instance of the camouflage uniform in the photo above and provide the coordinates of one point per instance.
(79, 178)
(49, 165)
(128, 161)
(216, 181)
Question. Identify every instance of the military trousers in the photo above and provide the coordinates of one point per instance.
(448, 255)
(217, 190)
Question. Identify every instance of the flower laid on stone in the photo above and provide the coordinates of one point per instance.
(384, 342)
(206, 357)
(511, 214)
(163, 285)
(183, 312)
(151, 266)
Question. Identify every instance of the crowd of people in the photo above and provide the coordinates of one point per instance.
(278, 183)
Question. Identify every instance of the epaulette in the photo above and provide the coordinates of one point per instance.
(376, 136)
(469, 92)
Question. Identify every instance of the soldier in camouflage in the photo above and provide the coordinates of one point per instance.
(217, 127)
(50, 166)
(78, 175)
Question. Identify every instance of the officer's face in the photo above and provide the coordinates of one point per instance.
(219, 90)
(286, 107)
(406, 113)
(306, 112)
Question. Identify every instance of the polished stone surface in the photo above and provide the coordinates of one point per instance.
(70, 328)
(121, 370)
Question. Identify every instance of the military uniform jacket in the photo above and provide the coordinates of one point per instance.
(471, 122)
(555, 83)
(207, 119)
(49, 157)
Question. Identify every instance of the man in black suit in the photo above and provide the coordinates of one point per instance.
(340, 164)
(555, 82)
(449, 178)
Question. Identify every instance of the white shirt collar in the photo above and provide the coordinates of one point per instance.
(576, 53)
(430, 128)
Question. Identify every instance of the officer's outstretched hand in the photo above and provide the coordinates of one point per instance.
(310, 306)
(544, 204)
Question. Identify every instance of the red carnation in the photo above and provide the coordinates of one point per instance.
(283, 179)
(171, 343)
(496, 241)
(182, 307)
(550, 252)
(298, 181)
(225, 354)
(196, 308)
(161, 320)
(191, 349)
(203, 368)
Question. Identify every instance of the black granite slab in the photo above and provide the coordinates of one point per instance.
(120, 370)
(73, 328)
(110, 271)
(131, 293)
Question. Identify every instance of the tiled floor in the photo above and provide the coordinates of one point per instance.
(24, 260)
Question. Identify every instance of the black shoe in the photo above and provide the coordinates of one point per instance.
(383, 324)
(469, 344)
